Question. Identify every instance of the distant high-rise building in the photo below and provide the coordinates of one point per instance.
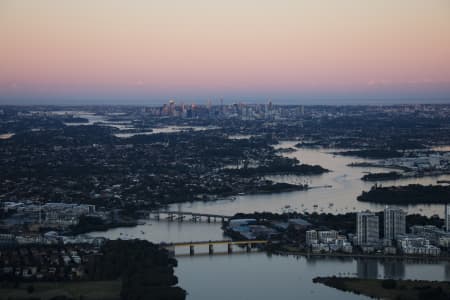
(367, 231)
(171, 107)
(394, 223)
(269, 105)
(447, 217)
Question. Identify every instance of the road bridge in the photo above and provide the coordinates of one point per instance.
(249, 244)
(182, 215)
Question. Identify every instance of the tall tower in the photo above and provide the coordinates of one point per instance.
(171, 107)
(394, 223)
(367, 232)
(269, 105)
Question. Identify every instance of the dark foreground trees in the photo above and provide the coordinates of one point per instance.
(145, 269)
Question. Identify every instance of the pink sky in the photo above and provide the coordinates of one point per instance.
(153, 50)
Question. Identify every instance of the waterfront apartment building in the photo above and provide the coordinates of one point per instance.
(327, 236)
(394, 223)
(367, 232)
(311, 237)
(414, 245)
(435, 235)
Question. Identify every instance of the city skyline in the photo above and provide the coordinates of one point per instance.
(145, 52)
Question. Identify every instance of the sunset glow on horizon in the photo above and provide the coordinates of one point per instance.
(139, 50)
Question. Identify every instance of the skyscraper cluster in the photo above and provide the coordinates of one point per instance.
(367, 226)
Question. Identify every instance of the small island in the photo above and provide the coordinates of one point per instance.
(371, 153)
(279, 166)
(389, 288)
(409, 194)
(382, 176)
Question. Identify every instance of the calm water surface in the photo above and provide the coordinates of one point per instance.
(258, 276)
(345, 182)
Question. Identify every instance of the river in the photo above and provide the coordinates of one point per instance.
(258, 276)
(345, 182)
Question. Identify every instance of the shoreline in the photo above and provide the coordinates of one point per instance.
(388, 288)
(355, 256)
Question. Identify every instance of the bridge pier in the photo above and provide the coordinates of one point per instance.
(171, 250)
(209, 219)
(248, 245)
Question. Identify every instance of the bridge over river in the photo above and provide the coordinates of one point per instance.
(248, 244)
(182, 215)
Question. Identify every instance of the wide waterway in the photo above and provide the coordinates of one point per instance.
(259, 276)
(345, 182)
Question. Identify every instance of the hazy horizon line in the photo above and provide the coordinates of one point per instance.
(216, 102)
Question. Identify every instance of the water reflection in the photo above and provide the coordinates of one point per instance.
(447, 270)
(394, 269)
(257, 276)
(367, 268)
